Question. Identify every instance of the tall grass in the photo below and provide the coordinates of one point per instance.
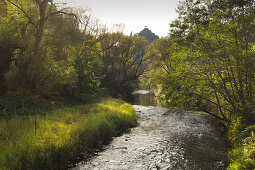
(61, 134)
(242, 154)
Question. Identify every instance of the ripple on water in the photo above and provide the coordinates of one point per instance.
(174, 141)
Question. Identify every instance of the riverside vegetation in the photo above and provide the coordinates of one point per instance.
(207, 62)
(62, 134)
(50, 54)
(54, 62)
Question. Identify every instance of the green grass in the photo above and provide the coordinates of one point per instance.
(242, 154)
(61, 134)
(243, 157)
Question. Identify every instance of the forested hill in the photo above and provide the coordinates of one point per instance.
(148, 34)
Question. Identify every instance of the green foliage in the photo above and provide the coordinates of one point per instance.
(234, 130)
(209, 60)
(61, 134)
(88, 67)
(46, 49)
(158, 55)
(243, 157)
(209, 64)
(36, 60)
(123, 60)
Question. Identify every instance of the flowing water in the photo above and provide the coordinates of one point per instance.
(163, 140)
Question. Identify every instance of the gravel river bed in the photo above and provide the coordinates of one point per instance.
(176, 140)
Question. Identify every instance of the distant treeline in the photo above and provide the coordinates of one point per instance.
(49, 50)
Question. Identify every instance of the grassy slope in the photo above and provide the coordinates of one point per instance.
(242, 154)
(61, 134)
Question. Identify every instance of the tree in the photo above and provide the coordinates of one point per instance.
(214, 41)
(88, 66)
(123, 58)
(3, 10)
(159, 59)
(41, 43)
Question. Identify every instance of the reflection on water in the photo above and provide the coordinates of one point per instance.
(145, 99)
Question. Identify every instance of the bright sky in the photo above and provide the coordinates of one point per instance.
(135, 14)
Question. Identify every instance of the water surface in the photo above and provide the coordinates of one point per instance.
(163, 140)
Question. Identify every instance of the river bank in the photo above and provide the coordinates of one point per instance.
(179, 140)
(52, 140)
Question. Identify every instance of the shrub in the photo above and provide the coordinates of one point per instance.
(243, 157)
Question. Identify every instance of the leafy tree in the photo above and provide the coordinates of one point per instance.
(3, 10)
(87, 66)
(44, 37)
(212, 43)
(159, 57)
(123, 58)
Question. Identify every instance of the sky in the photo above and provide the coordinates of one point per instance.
(134, 14)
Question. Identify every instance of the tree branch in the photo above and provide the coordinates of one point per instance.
(29, 18)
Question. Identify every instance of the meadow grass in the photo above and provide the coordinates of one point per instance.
(61, 134)
(242, 153)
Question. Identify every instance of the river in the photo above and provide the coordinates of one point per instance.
(163, 140)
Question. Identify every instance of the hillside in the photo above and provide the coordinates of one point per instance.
(148, 34)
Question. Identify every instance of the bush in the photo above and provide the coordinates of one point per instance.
(243, 154)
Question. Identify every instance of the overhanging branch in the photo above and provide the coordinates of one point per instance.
(24, 12)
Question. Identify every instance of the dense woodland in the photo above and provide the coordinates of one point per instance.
(56, 65)
(208, 59)
(207, 62)
(47, 50)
